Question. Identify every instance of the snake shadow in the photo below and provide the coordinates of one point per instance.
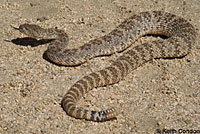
(28, 41)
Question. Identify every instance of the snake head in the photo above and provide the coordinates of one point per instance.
(30, 30)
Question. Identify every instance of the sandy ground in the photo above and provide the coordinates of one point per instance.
(162, 94)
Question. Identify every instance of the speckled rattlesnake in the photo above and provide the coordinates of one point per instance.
(181, 36)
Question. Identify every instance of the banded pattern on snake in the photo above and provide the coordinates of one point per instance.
(181, 35)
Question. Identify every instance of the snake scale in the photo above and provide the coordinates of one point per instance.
(181, 35)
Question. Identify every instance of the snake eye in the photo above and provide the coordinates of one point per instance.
(25, 28)
(22, 28)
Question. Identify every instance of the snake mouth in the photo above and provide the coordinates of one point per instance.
(21, 28)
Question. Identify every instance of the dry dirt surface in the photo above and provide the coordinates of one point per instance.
(161, 96)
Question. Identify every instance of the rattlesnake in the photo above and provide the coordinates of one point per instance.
(180, 34)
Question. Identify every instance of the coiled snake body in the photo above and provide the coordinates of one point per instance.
(181, 36)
